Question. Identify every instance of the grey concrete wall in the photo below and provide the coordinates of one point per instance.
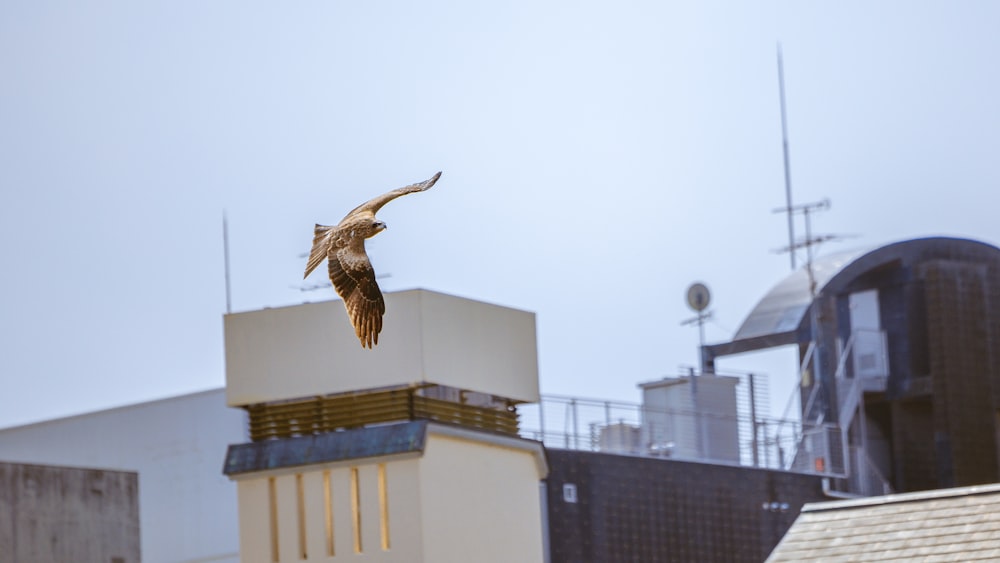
(60, 514)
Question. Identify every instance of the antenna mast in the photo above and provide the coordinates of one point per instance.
(807, 209)
(784, 146)
(698, 298)
(225, 250)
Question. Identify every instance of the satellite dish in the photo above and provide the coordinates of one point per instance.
(698, 297)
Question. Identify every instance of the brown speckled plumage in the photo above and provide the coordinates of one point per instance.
(343, 246)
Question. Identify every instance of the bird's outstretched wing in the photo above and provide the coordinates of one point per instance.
(375, 204)
(354, 279)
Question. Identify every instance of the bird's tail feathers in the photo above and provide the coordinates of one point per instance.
(319, 248)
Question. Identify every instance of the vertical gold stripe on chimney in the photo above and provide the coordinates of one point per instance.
(300, 497)
(328, 509)
(383, 502)
(356, 509)
(272, 497)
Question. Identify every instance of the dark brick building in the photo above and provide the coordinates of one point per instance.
(615, 508)
(901, 353)
(902, 345)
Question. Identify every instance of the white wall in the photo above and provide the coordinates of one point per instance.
(470, 497)
(306, 350)
(480, 500)
(324, 517)
(187, 507)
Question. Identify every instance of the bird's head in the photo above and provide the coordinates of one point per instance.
(377, 227)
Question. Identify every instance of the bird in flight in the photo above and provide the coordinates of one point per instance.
(343, 247)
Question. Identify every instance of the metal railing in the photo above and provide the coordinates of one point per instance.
(741, 437)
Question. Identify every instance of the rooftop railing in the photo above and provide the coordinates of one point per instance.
(743, 437)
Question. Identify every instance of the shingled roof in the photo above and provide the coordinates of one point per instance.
(961, 524)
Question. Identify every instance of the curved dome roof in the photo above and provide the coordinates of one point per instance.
(784, 307)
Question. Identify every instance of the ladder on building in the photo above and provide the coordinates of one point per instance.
(827, 449)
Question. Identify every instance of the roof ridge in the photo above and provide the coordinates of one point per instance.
(899, 498)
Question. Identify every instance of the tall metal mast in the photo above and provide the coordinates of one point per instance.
(225, 250)
(784, 147)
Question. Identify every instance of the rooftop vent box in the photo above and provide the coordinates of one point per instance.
(427, 337)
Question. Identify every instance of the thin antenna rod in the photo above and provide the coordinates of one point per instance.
(784, 146)
(225, 249)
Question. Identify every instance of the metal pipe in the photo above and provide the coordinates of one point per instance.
(576, 430)
(541, 418)
(828, 491)
(753, 423)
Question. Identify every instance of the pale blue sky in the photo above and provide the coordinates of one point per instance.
(598, 157)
